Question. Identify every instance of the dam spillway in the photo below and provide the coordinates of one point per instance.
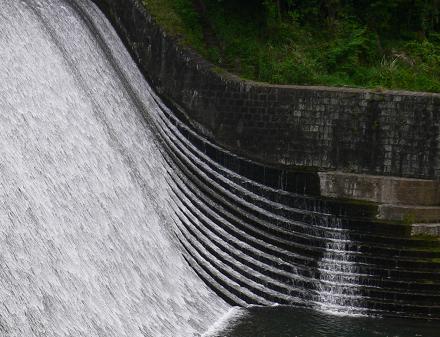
(85, 226)
(118, 219)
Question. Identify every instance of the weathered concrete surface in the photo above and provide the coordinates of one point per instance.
(398, 199)
(409, 213)
(380, 189)
(432, 229)
(384, 133)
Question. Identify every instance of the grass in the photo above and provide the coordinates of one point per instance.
(287, 52)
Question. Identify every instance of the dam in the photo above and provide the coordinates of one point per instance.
(118, 218)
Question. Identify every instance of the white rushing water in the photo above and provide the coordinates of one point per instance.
(226, 322)
(85, 229)
(335, 295)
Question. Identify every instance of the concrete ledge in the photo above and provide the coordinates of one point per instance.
(409, 213)
(432, 229)
(380, 189)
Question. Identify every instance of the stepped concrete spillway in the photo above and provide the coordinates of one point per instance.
(86, 232)
(118, 219)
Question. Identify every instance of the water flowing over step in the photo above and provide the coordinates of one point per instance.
(87, 247)
(352, 291)
(347, 263)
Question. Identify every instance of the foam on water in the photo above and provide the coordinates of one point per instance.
(85, 227)
(226, 321)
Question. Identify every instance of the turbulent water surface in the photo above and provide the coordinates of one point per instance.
(86, 245)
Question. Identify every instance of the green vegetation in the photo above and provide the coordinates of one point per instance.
(375, 44)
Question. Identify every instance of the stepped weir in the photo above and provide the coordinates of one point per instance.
(119, 218)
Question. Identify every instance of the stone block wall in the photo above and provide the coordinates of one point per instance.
(361, 131)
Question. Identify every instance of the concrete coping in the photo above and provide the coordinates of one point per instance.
(380, 189)
(431, 229)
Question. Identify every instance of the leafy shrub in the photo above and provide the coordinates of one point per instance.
(365, 43)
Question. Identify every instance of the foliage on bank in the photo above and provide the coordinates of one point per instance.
(391, 44)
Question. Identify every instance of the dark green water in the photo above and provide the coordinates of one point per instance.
(295, 322)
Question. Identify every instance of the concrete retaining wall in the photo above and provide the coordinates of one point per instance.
(360, 131)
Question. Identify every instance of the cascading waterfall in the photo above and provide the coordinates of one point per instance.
(86, 246)
(333, 297)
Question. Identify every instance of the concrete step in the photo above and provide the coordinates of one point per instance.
(430, 229)
(380, 189)
(409, 213)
